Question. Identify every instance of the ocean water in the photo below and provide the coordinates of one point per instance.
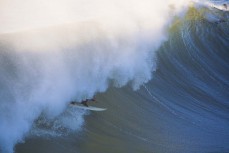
(160, 69)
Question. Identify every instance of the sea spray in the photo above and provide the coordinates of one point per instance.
(53, 52)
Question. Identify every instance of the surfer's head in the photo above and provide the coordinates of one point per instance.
(225, 5)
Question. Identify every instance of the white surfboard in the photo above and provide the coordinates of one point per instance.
(92, 108)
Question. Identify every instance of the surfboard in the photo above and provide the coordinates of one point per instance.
(92, 108)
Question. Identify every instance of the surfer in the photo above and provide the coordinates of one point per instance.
(84, 102)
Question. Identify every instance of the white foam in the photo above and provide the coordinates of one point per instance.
(69, 121)
(55, 51)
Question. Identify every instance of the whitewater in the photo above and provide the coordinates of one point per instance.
(123, 53)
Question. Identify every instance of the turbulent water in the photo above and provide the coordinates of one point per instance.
(160, 69)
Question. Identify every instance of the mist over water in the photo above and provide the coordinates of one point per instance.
(56, 51)
(52, 52)
(183, 108)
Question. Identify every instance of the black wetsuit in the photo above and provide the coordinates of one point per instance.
(85, 102)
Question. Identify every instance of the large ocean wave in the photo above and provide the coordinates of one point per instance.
(52, 54)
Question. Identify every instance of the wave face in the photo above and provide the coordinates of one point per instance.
(182, 107)
(53, 52)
